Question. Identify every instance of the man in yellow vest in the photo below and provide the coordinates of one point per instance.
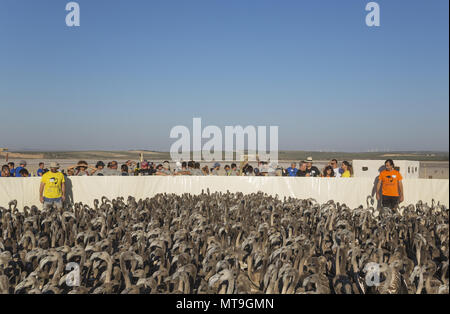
(53, 189)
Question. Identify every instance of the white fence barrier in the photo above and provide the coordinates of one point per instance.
(352, 191)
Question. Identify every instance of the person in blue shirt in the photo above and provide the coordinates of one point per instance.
(22, 165)
(41, 170)
(292, 171)
(11, 169)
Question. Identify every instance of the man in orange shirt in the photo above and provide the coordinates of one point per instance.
(390, 181)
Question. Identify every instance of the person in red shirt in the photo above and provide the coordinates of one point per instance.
(390, 182)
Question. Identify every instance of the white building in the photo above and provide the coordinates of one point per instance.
(372, 168)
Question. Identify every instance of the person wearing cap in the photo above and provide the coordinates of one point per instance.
(184, 171)
(180, 168)
(22, 165)
(52, 190)
(164, 170)
(311, 171)
(280, 172)
(215, 170)
(98, 171)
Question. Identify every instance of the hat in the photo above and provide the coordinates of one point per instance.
(178, 164)
(144, 164)
(309, 159)
(23, 162)
(54, 165)
(166, 165)
(216, 165)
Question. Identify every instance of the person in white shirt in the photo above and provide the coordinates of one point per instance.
(334, 164)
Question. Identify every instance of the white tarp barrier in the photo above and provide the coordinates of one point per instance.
(351, 191)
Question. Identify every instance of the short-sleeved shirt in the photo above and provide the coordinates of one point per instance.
(346, 174)
(40, 172)
(110, 172)
(292, 172)
(301, 173)
(53, 184)
(196, 172)
(99, 172)
(165, 171)
(390, 180)
(17, 172)
(313, 172)
(337, 172)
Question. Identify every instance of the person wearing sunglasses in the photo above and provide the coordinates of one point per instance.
(336, 169)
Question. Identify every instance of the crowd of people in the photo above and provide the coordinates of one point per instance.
(146, 168)
(389, 186)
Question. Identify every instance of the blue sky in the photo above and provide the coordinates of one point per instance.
(134, 69)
